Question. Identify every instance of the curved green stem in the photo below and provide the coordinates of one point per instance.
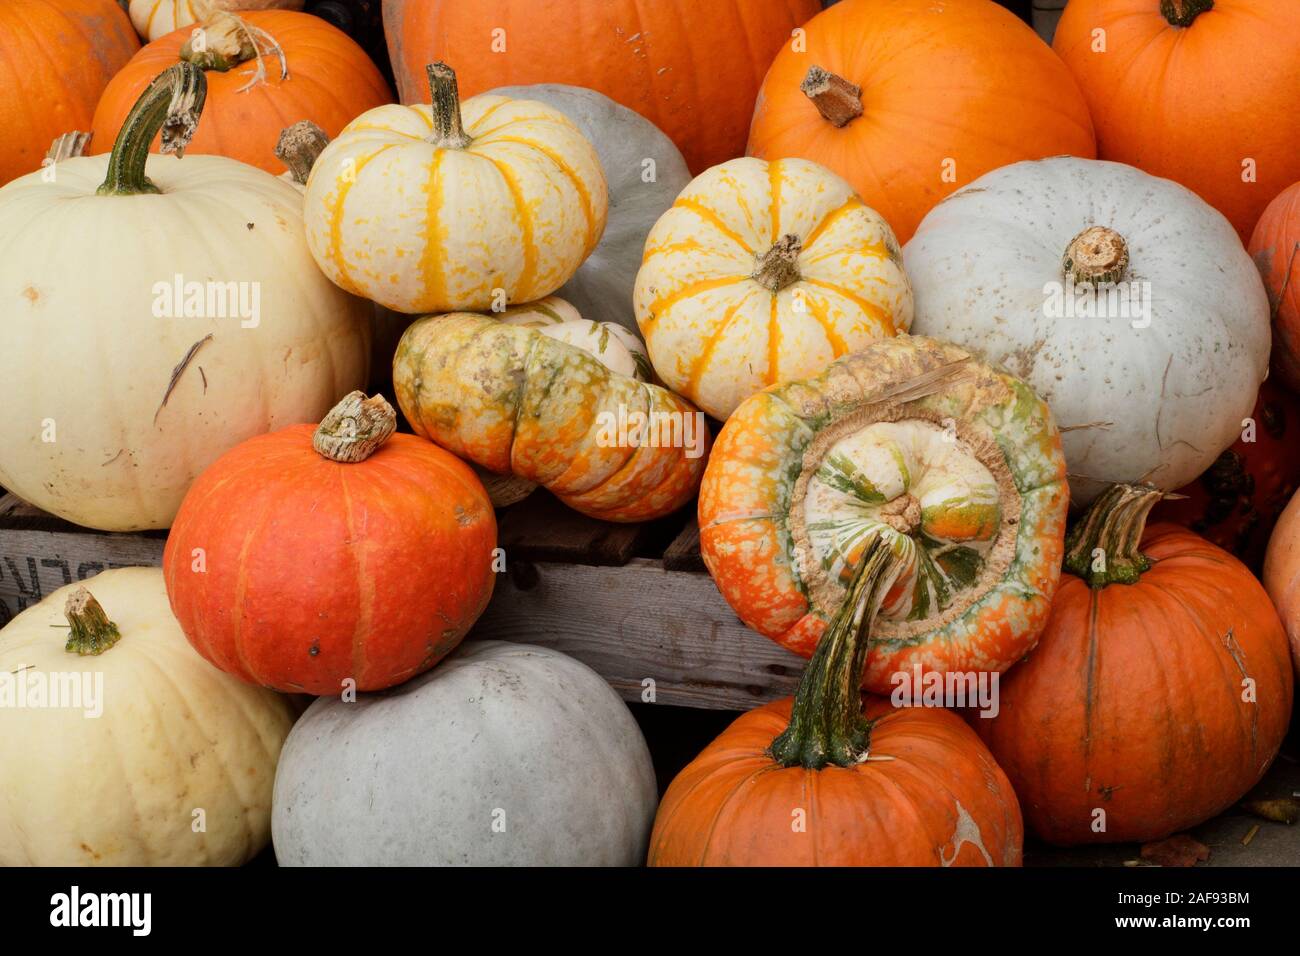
(444, 97)
(1102, 547)
(1181, 13)
(826, 723)
(171, 103)
(92, 632)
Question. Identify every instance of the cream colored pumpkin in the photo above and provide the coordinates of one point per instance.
(763, 273)
(155, 18)
(115, 398)
(174, 736)
(452, 207)
(618, 349)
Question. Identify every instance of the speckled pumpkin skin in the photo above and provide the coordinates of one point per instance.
(747, 536)
(517, 402)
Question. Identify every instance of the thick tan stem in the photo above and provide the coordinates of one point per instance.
(779, 266)
(68, 146)
(354, 429)
(299, 146)
(221, 43)
(1096, 255)
(838, 100)
(444, 97)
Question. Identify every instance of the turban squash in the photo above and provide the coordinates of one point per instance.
(515, 401)
(955, 465)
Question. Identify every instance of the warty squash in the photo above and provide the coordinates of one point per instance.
(1124, 300)
(503, 755)
(956, 466)
(56, 57)
(910, 100)
(518, 402)
(1159, 692)
(210, 322)
(763, 273)
(156, 759)
(314, 555)
(263, 68)
(470, 205)
(825, 781)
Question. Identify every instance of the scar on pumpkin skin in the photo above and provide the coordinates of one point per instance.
(180, 370)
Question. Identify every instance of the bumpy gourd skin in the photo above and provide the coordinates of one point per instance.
(517, 402)
(766, 538)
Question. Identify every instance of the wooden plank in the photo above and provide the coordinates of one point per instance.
(684, 552)
(640, 622)
(540, 528)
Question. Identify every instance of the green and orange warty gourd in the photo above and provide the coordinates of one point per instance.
(156, 759)
(1159, 692)
(518, 402)
(471, 205)
(763, 273)
(955, 465)
(314, 555)
(824, 781)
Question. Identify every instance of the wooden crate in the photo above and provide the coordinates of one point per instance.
(632, 601)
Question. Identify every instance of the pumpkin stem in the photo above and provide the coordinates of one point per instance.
(354, 429)
(779, 266)
(68, 146)
(444, 96)
(1181, 13)
(299, 146)
(173, 103)
(1102, 547)
(92, 631)
(838, 100)
(221, 43)
(826, 722)
(1097, 255)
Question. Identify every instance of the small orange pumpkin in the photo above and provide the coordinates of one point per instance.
(265, 70)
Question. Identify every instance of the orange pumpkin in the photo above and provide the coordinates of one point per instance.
(323, 77)
(823, 781)
(911, 99)
(1197, 91)
(1282, 573)
(56, 57)
(308, 556)
(1159, 692)
(692, 68)
(1275, 246)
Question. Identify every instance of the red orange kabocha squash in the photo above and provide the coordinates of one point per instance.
(311, 555)
(1159, 692)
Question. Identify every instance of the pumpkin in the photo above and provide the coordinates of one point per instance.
(1124, 300)
(263, 68)
(911, 99)
(56, 57)
(955, 465)
(504, 755)
(1280, 574)
(468, 205)
(376, 563)
(1275, 246)
(614, 346)
(150, 757)
(1159, 692)
(763, 273)
(1238, 500)
(517, 402)
(824, 781)
(1198, 91)
(644, 172)
(210, 322)
(663, 59)
(156, 18)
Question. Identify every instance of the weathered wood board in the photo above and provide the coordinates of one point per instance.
(655, 627)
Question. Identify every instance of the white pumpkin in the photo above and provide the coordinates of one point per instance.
(763, 273)
(644, 171)
(155, 18)
(118, 390)
(1158, 383)
(502, 755)
(175, 742)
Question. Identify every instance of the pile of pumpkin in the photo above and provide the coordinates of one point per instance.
(887, 504)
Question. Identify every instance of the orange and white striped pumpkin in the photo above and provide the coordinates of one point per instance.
(458, 206)
(763, 273)
(156, 18)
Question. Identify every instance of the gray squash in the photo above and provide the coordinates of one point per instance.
(624, 140)
(502, 755)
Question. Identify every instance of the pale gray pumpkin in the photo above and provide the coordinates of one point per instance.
(1152, 393)
(624, 139)
(502, 755)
